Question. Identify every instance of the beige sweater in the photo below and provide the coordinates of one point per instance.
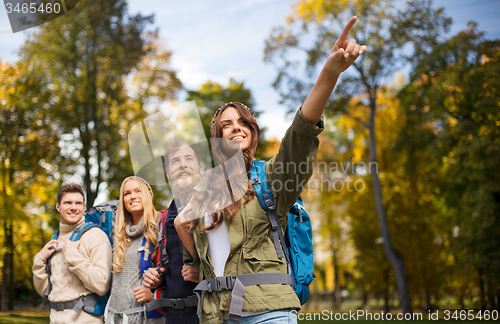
(77, 272)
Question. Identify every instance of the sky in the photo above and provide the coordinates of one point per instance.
(220, 39)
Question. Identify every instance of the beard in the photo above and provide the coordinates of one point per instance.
(182, 188)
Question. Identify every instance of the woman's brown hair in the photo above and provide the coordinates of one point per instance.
(221, 156)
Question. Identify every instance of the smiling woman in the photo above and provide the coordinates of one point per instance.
(135, 231)
(251, 281)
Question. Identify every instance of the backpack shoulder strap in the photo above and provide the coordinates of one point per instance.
(77, 233)
(48, 267)
(55, 235)
(162, 259)
(258, 179)
(145, 257)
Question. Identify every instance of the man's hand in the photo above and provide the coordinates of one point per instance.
(48, 249)
(190, 274)
(143, 294)
(69, 245)
(344, 52)
(152, 278)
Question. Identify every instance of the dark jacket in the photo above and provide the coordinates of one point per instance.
(175, 286)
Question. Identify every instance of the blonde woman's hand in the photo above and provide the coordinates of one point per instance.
(143, 294)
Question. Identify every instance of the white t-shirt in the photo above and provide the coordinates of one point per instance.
(218, 245)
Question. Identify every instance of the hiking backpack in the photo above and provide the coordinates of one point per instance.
(145, 264)
(297, 250)
(101, 216)
(297, 242)
(159, 302)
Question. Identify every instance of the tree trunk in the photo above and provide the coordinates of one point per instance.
(386, 293)
(365, 296)
(10, 265)
(8, 268)
(461, 300)
(481, 289)
(498, 295)
(428, 306)
(491, 295)
(336, 289)
(4, 274)
(7, 298)
(395, 259)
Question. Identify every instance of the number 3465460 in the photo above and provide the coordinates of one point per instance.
(33, 8)
(470, 315)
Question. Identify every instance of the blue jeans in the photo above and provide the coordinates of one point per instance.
(283, 316)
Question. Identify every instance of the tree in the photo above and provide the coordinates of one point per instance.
(386, 30)
(452, 108)
(85, 57)
(23, 166)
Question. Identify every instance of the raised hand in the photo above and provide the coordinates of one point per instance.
(342, 55)
(344, 52)
(48, 249)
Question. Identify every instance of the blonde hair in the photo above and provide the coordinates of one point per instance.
(150, 218)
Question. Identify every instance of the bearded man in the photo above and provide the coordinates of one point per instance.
(179, 280)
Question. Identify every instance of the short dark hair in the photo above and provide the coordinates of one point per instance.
(174, 146)
(67, 188)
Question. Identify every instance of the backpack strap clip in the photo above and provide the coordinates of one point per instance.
(255, 181)
(269, 203)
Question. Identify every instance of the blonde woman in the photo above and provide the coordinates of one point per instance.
(134, 233)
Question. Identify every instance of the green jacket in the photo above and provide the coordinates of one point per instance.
(251, 245)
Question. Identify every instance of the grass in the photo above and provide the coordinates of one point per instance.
(25, 316)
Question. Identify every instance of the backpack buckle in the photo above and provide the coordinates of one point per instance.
(209, 286)
(269, 204)
(230, 280)
(177, 303)
(218, 283)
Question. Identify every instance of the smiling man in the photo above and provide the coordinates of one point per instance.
(79, 270)
(183, 172)
(179, 280)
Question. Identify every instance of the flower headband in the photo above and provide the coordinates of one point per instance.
(226, 105)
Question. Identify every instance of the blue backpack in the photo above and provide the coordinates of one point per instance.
(297, 243)
(101, 216)
(145, 264)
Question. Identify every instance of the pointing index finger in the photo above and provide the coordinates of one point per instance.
(347, 29)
